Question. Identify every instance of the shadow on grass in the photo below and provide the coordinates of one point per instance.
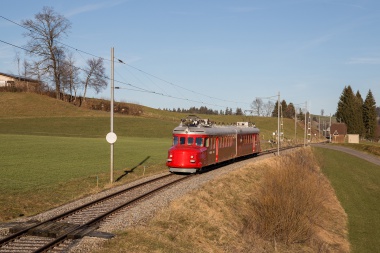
(126, 172)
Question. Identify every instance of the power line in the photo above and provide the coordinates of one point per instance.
(121, 62)
(136, 88)
(163, 80)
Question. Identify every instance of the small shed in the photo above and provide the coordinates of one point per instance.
(338, 132)
(353, 138)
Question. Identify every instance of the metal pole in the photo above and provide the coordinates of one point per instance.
(111, 110)
(278, 124)
(304, 140)
(295, 125)
(319, 128)
(330, 128)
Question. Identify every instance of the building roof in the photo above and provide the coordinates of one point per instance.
(21, 78)
(338, 129)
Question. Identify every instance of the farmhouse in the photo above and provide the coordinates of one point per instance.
(338, 132)
(13, 82)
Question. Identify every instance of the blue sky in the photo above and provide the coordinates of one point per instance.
(221, 53)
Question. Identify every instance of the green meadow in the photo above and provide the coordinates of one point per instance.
(39, 172)
(357, 186)
(29, 162)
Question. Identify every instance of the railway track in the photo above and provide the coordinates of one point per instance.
(58, 233)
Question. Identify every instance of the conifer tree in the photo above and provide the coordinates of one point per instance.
(369, 116)
(290, 111)
(359, 107)
(283, 107)
(275, 110)
(300, 115)
(347, 111)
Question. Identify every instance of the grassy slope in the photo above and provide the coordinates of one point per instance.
(228, 214)
(357, 185)
(24, 111)
(15, 105)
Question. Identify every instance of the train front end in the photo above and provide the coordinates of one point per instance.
(188, 152)
(184, 159)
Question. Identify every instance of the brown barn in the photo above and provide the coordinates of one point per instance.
(14, 82)
(338, 132)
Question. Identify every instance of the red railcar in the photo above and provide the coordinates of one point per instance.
(198, 143)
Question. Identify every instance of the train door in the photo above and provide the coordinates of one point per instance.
(239, 143)
(211, 154)
(253, 143)
(216, 149)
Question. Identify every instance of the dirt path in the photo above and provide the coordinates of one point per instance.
(362, 155)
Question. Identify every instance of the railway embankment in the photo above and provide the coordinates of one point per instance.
(279, 204)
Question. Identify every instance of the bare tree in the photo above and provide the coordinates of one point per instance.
(26, 72)
(70, 77)
(39, 73)
(96, 77)
(257, 106)
(268, 108)
(44, 32)
(18, 60)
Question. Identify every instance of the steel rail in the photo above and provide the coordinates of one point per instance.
(98, 219)
(16, 235)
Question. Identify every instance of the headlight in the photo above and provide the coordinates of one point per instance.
(192, 160)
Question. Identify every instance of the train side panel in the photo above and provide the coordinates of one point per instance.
(197, 145)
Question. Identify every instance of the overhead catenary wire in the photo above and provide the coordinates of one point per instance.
(140, 70)
(136, 88)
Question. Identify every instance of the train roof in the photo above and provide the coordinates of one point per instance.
(194, 125)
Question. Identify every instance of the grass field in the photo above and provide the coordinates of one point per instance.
(357, 185)
(35, 167)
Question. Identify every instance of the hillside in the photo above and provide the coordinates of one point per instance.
(16, 105)
(21, 113)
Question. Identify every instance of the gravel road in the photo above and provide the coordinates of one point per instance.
(362, 155)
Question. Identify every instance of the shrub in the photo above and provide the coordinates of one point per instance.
(289, 200)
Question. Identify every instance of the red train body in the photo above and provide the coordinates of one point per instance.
(198, 144)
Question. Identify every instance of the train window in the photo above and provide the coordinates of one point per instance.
(190, 141)
(182, 140)
(175, 140)
(207, 142)
(198, 141)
